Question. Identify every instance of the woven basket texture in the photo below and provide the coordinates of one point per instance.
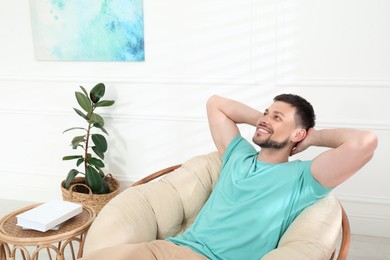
(78, 192)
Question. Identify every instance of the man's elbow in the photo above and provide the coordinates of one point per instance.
(369, 143)
(213, 99)
(212, 102)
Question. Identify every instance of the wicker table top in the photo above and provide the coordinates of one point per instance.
(11, 233)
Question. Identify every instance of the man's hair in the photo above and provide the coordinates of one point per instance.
(304, 115)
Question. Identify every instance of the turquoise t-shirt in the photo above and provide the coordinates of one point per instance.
(251, 205)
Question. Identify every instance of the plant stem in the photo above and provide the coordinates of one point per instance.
(87, 143)
(86, 149)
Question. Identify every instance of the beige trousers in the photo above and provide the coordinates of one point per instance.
(157, 249)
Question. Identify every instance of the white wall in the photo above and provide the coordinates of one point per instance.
(334, 53)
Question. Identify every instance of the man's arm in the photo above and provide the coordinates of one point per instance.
(224, 114)
(352, 149)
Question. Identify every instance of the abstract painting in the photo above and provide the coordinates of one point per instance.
(88, 30)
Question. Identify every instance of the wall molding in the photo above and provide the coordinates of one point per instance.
(118, 116)
(333, 83)
(357, 125)
(37, 186)
(364, 199)
(120, 79)
(174, 118)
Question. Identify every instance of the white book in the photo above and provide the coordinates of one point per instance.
(48, 215)
(54, 228)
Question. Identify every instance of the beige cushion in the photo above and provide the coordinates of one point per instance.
(156, 210)
(164, 208)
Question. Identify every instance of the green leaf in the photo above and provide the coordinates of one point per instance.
(98, 153)
(100, 142)
(96, 162)
(81, 114)
(74, 128)
(84, 90)
(96, 119)
(80, 161)
(71, 157)
(105, 188)
(101, 128)
(93, 179)
(84, 102)
(77, 140)
(105, 103)
(71, 175)
(97, 92)
(101, 173)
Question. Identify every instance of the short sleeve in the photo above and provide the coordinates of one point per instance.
(316, 188)
(230, 147)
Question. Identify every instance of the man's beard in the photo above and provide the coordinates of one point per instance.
(268, 143)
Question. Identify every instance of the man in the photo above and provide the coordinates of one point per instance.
(259, 194)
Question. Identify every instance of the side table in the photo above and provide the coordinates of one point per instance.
(14, 238)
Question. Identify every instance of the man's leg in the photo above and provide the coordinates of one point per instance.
(157, 249)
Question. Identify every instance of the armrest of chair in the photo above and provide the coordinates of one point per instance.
(313, 234)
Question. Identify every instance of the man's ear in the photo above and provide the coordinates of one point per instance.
(298, 135)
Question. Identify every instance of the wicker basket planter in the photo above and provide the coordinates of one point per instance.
(78, 192)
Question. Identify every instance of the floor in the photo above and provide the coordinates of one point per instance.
(361, 248)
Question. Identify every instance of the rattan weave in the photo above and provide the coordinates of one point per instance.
(96, 201)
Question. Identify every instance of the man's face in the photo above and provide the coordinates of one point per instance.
(275, 128)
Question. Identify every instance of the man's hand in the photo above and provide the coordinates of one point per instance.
(305, 143)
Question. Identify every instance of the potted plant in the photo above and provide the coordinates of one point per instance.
(94, 187)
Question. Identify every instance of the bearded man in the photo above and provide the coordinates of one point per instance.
(259, 193)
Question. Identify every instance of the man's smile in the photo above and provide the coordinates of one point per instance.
(263, 129)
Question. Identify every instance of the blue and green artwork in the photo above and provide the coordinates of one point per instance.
(88, 30)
